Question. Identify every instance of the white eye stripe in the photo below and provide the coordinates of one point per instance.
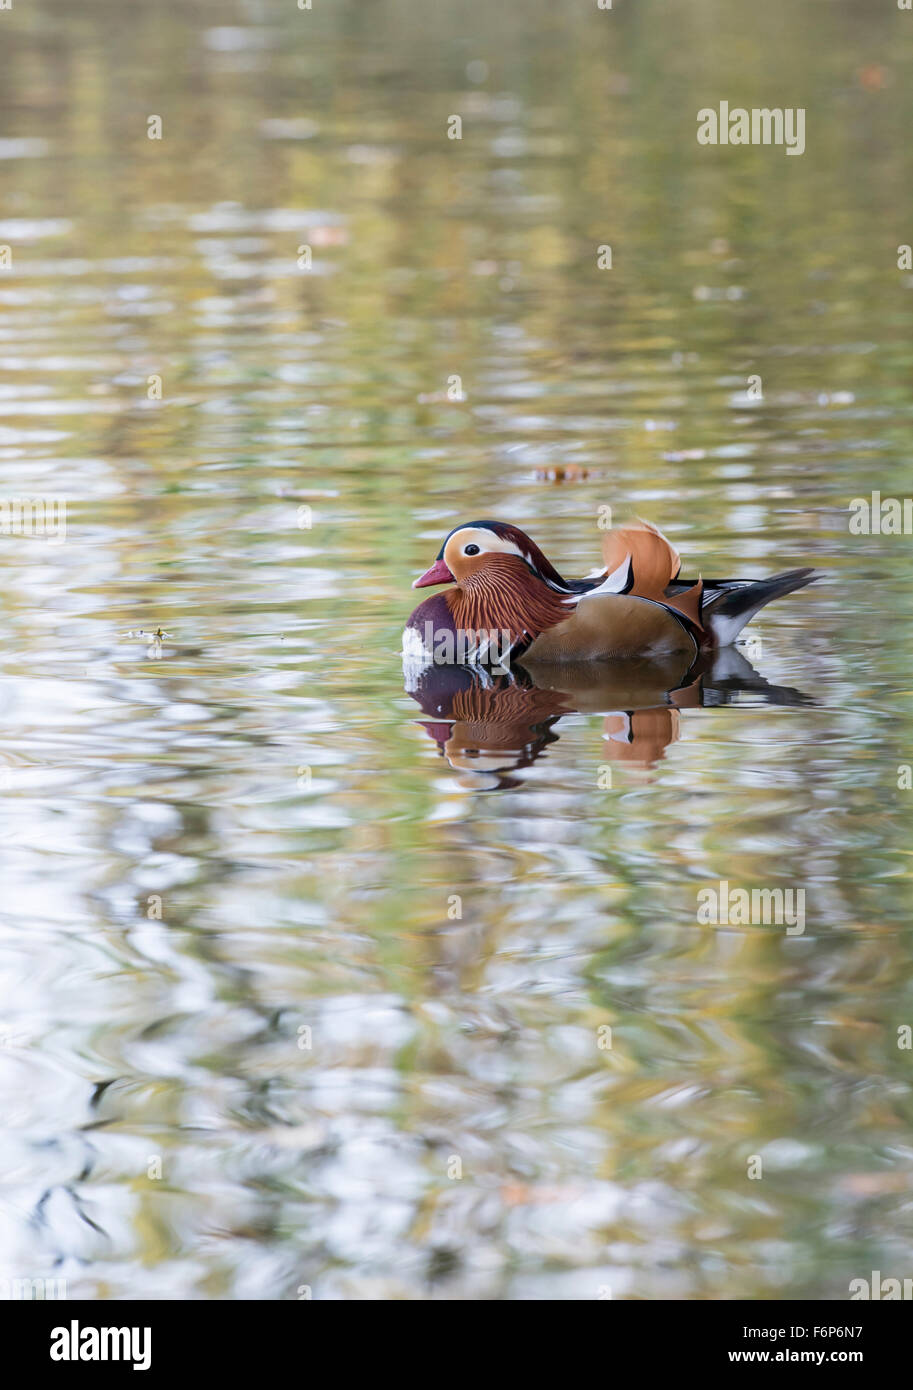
(487, 542)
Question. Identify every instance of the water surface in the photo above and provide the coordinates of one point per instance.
(278, 963)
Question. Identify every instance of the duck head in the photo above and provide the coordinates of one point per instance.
(503, 583)
(476, 547)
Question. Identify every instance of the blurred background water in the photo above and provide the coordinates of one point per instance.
(244, 1035)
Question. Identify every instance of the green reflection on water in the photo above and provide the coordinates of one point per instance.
(262, 772)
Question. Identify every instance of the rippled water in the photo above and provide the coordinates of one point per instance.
(290, 941)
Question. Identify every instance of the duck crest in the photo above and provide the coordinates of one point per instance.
(505, 596)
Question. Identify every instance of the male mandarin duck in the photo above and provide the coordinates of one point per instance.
(636, 606)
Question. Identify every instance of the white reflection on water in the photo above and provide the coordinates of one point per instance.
(243, 828)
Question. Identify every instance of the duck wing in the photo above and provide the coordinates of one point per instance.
(655, 565)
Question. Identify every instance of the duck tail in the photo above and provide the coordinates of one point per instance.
(728, 612)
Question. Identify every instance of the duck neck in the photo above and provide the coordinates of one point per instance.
(505, 596)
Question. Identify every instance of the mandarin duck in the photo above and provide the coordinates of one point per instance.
(510, 601)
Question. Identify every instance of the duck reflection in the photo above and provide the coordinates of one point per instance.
(489, 724)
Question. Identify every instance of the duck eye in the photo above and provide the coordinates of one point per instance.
(471, 550)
